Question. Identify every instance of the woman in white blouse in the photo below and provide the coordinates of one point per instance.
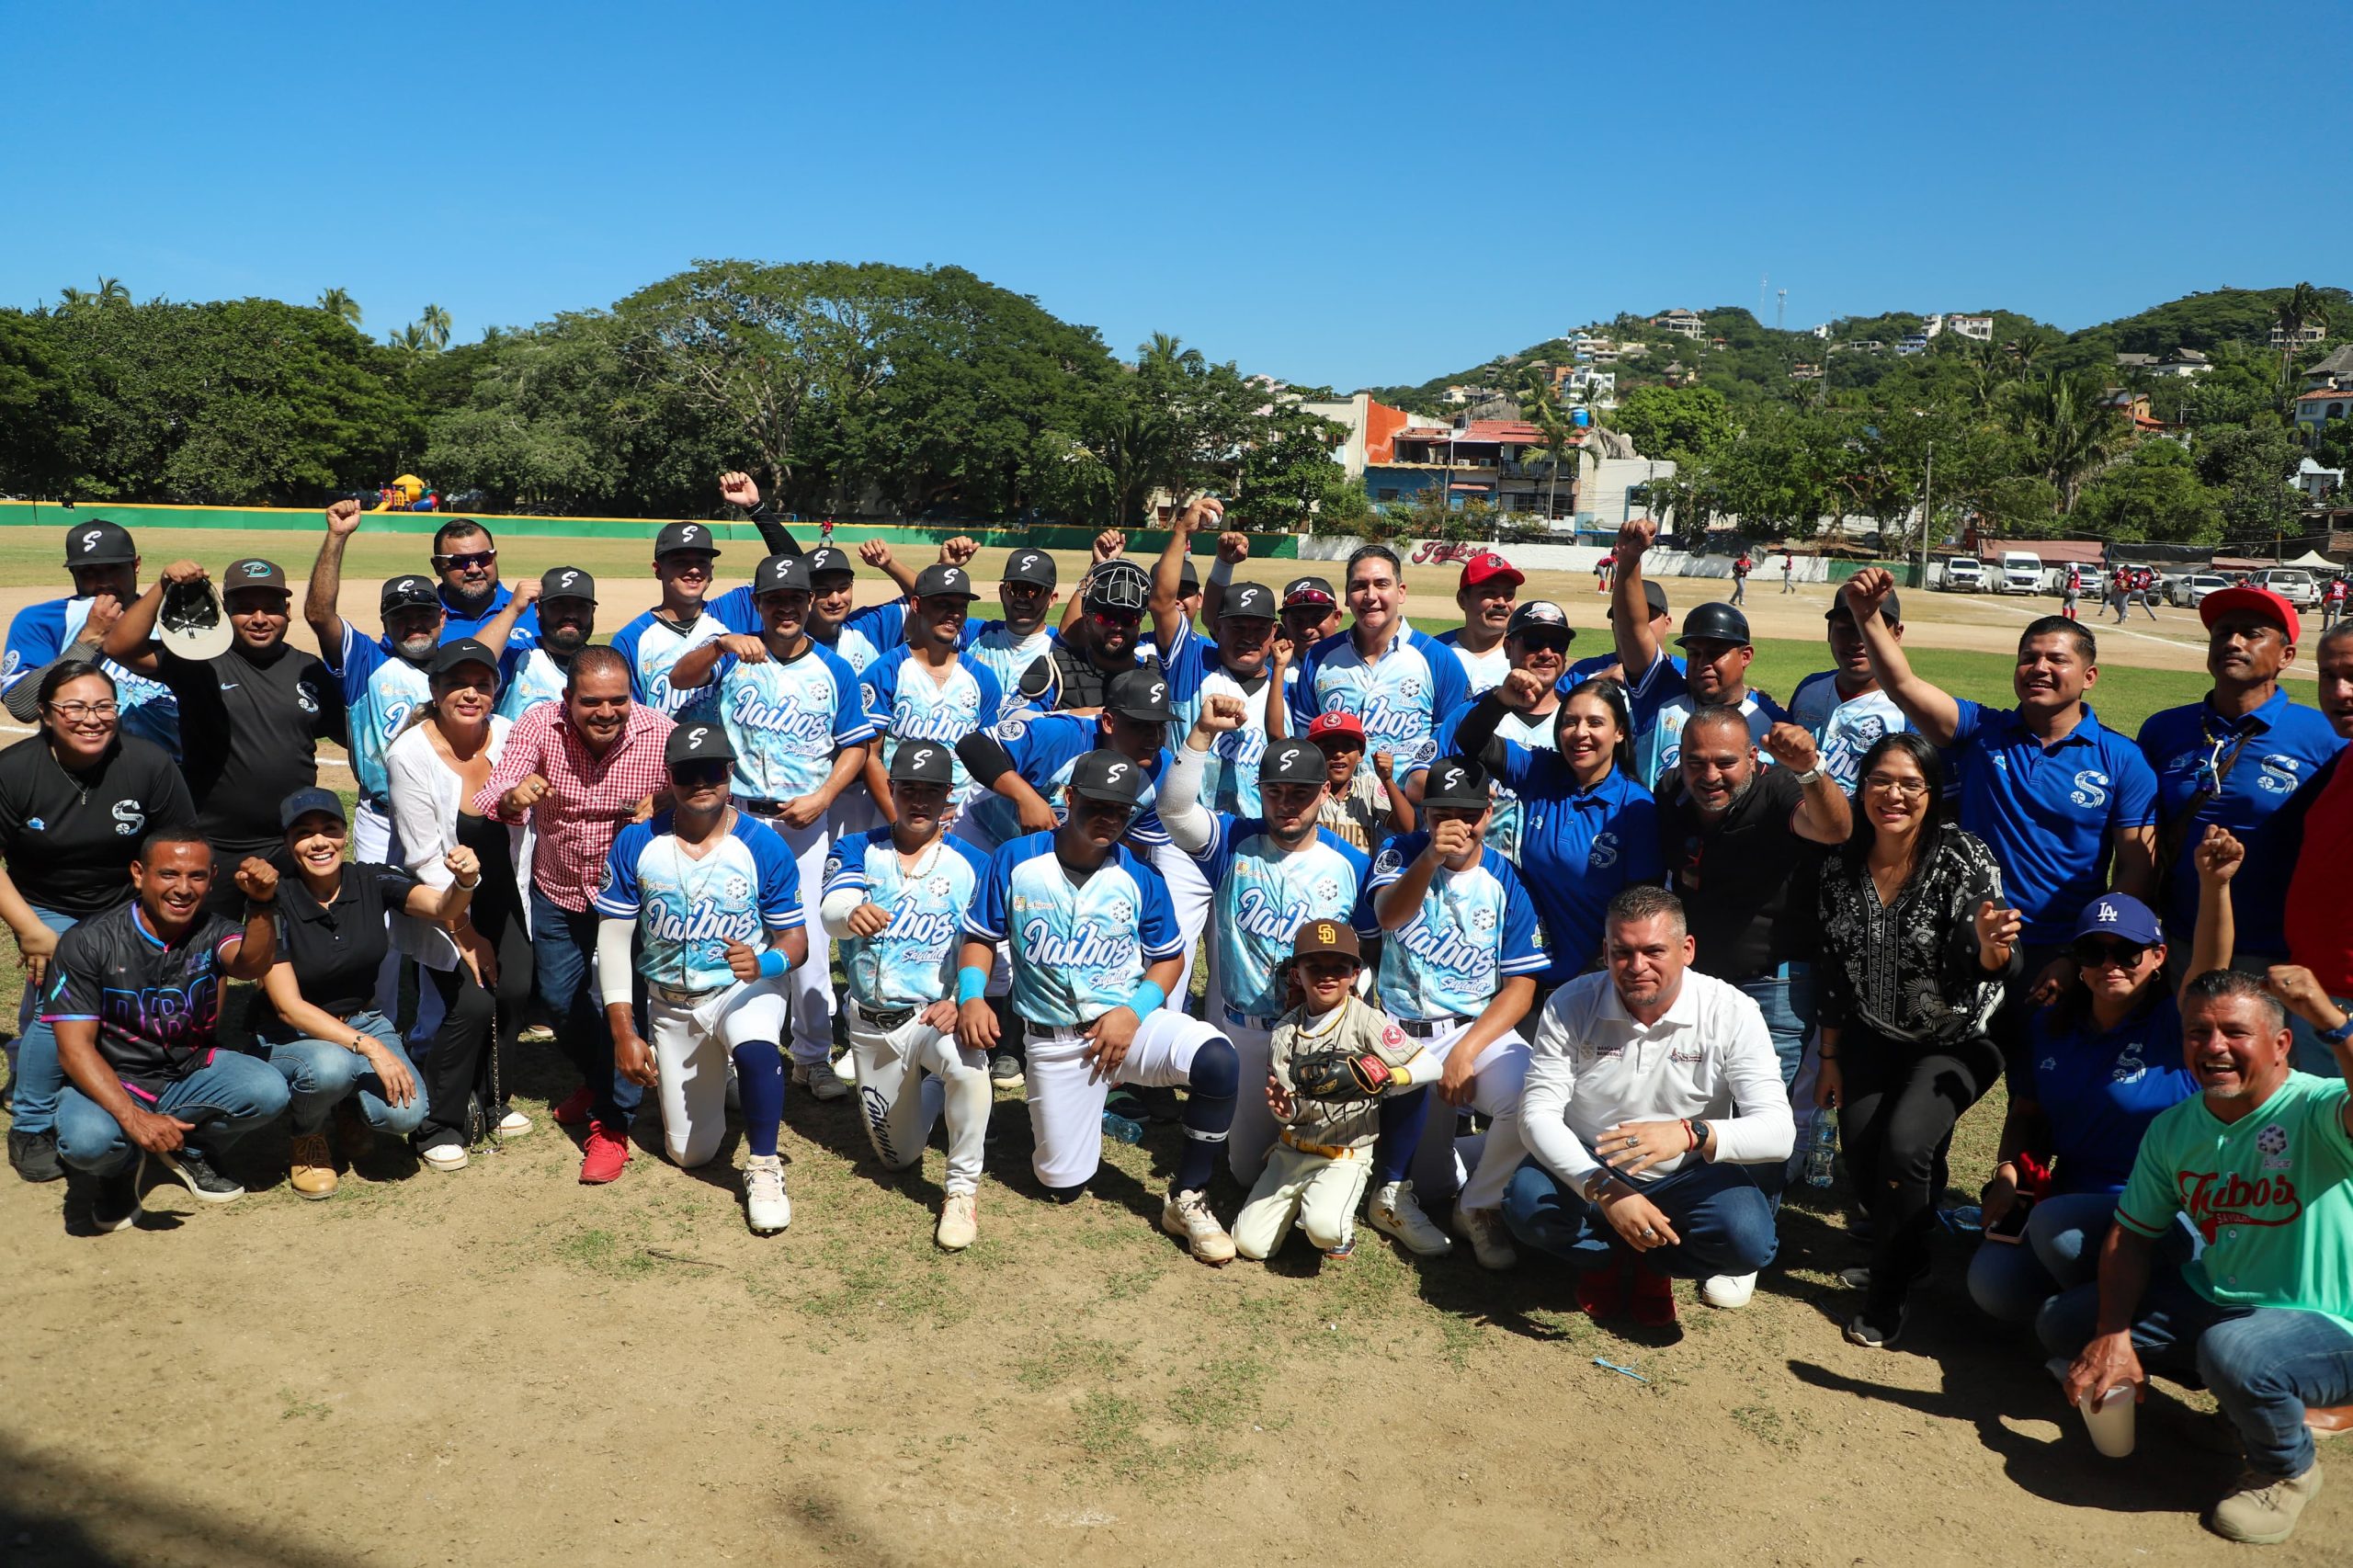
(481, 973)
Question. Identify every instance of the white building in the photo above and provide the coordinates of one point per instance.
(2306, 336)
(1683, 323)
(1977, 328)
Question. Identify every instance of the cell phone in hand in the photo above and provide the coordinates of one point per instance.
(2011, 1228)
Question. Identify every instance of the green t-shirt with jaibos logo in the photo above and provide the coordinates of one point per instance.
(2271, 1193)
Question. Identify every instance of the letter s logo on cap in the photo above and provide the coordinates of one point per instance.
(688, 533)
(695, 738)
(919, 757)
(90, 541)
(568, 579)
(1114, 773)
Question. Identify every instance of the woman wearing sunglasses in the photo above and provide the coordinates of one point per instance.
(1916, 941)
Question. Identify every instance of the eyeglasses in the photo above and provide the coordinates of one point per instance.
(75, 712)
(472, 558)
(1902, 789)
(698, 773)
(2094, 952)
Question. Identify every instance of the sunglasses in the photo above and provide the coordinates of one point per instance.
(698, 773)
(2094, 952)
(1116, 617)
(1543, 643)
(471, 557)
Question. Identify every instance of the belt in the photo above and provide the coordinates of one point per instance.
(879, 1019)
(677, 998)
(1249, 1020)
(1429, 1028)
(1328, 1151)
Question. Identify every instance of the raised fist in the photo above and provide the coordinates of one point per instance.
(343, 519)
(1109, 544)
(1384, 766)
(1220, 715)
(258, 880)
(958, 551)
(2218, 854)
(738, 489)
(1792, 746)
(747, 648)
(874, 552)
(463, 865)
(1452, 838)
(528, 793)
(742, 962)
(1234, 548)
(1867, 590)
(1635, 535)
(184, 572)
(1521, 690)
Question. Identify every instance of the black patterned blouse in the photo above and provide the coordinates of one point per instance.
(1908, 970)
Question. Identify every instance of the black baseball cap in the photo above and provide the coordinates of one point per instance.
(1890, 610)
(1108, 775)
(922, 762)
(1032, 567)
(1309, 591)
(1539, 615)
(1187, 577)
(463, 651)
(1456, 781)
(302, 802)
(99, 544)
(252, 573)
(1247, 601)
(683, 536)
(941, 581)
(1139, 693)
(826, 558)
(1293, 762)
(1119, 585)
(781, 573)
(696, 742)
(1653, 595)
(410, 592)
(567, 582)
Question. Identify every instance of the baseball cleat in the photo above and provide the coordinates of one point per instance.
(1004, 1073)
(1490, 1241)
(959, 1221)
(766, 1205)
(1187, 1214)
(1393, 1212)
(819, 1080)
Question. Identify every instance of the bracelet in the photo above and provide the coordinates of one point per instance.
(772, 964)
(359, 1044)
(469, 887)
(971, 985)
(1694, 1137)
(1147, 1000)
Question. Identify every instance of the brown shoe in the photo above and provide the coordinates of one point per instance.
(312, 1172)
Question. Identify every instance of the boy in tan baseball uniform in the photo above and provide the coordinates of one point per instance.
(1332, 1057)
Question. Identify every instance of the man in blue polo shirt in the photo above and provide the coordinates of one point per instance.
(1717, 652)
(2235, 759)
(466, 560)
(2052, 792)
(1397, 681)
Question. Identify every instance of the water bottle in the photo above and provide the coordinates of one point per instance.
(1822, 1148)
(1121, 1129)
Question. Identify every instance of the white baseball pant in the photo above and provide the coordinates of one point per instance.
(1498, 1078)
(1189, 893)
(810, 985)
(1255, 1126)
(1319, 1192)
(907, 1077)
(1067, 1094)
(691, 1050)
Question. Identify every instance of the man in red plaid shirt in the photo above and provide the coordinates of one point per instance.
(579, 770)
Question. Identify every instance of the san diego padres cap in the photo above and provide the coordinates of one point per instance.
(252, 573)
(99, 544)
(941, 581)
(696, 742)
(1247, 601)
(683, 536)
(1108, 775)
(1032, 567)
(826, 558)
(567, 582)
(1293, 762)
(781, 574)
(1456, 781)
(922, 762)
(1140, 694)
(1315, 937)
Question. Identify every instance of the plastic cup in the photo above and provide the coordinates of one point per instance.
(2109, 1417)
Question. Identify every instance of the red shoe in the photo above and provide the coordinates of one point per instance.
(1601, 1292)
(572, 1110)
(605, 1155)
(1653, 1299)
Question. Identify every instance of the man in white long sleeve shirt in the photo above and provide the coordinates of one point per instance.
(1654, 1109)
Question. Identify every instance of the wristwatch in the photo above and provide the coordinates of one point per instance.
(1808, 777)
(1699, 1136)
(2338, 1035)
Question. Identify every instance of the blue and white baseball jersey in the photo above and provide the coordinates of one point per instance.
(1045, 747)
(1260, 896)
(1008, 656)
(1230, 776)
(653, 647)
(1484, 671)
(536, 678)
(41, 632)
(380, 690)
(865, 635)
(686, 909)
(1400, 697)
(904, 703)
(1078, 949)
(1844, 728)
(1475, 929)
(787, 720)
(911, 962)
(1659, 706)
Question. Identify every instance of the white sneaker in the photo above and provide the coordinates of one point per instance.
(959, 1221)
(820, 1080)
(846, 1069)
(514, 1124)
(443, 1157)
(1393, 1212)
(765, 1204)
(1187, 1214)
(1727, 1290)
(1490, 1241)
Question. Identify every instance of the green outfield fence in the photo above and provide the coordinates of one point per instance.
(310, 521)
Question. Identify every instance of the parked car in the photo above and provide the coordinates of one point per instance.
(2291, 583)
(1963, 575)
(2021, 572)
(2191, 588)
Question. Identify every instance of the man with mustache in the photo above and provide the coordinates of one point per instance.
(465, 558)
(567, 612)
(1843, 707)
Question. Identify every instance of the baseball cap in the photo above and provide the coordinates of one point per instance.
(2249, 600)
(1110, 776)
(1187, 577)
(1714, 621)
(2120, 915)
(409, 592)
(567, 582)
(98, 543)
(1488, 567)
(1339, 721)
(302, 802)
(1890, 609)
(1119, 585)
(1292, 762)
(252, 573)
(191, 623)
(922, 762)
(1653, 595)
(683, 536)
(462, 651)
(1247, 601)
(828, 557)
(1538, 615)
(942, 580)
(1315, 937)
(1032, 567)
(1309, 591)
(1456, 781)
(696, 742)
(781, 573)
(1140, 694)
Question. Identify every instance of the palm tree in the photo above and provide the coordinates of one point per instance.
(340, 305)
(435, 322)
(2072, 431)
(112, 291)
(71, 300)
(2302, 307)
(413, 339)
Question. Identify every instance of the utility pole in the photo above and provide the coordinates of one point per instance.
(1927, 502)
(1780, 309)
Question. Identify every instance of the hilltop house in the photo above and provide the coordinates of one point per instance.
(2306, 336)
(1683, 323)
(2335, 370)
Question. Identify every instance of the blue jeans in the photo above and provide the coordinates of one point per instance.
(321, 1074)
(2262, 1365)
(231, 1096)
(563, 955)
(33, 1102)
(1722, 1214)
(1786, 998)
(2010, 1281)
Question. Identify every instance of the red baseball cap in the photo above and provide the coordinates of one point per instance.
(1485, 567)
(1339, 721)
(2256, 601)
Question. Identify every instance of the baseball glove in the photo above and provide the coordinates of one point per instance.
(1338, 1075)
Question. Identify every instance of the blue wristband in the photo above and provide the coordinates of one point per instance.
(1147, 1000)
(772, 964)
(971, 985)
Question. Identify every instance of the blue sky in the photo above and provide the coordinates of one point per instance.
(1353, 194)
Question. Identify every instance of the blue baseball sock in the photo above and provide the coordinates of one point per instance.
(1402, 1118)
(759, 1079)
(1208, 1111)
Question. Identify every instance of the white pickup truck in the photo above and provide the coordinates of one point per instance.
(2021, 572)
(1963, 575)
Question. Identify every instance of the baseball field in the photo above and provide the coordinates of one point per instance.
(501, 1366)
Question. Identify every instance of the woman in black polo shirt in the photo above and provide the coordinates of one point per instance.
(77, 802)
(317, 1014)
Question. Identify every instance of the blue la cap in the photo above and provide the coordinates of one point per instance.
(2123, 916)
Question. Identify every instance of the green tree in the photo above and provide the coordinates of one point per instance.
(1681, 423)
(2154, 493)
(2250, 469)
(2068, 429)
(436, 323)
(2301, 307)
(340, 305)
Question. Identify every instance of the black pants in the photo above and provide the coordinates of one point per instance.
(1897, 1114)
(470, 1052)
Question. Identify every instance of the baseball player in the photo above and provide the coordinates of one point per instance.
(1235, 665)
(1537, 640)
(1271, 872)
(895, 898)
(699, 884)
(567, 610)
(1334, 1059)
(1095, 951)
(793, 714)
(1458, 972)
(1019, 649)
(686, 561)
(927, 689)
